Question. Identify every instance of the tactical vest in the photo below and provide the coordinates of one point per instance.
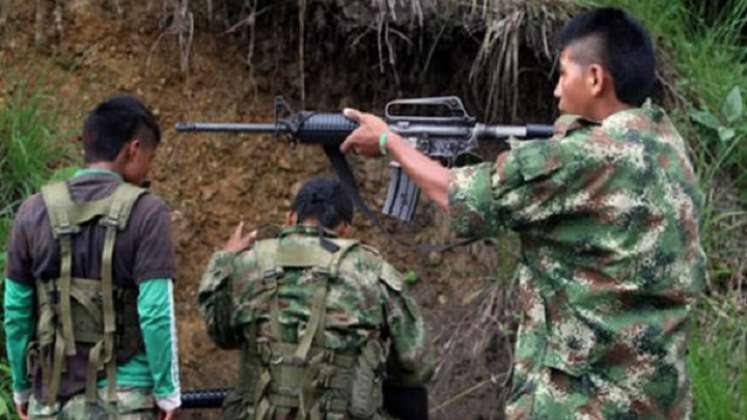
(73, 311)
(305, 377)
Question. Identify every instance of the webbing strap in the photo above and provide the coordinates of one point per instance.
(111, 378)
(84, 212)
(58, 202)
(302, 255)
(122, 201)
(275, 316)
(266, 250)
(345, 246)
(333, 404)
(316, 323)
(345, 359)
(110, 326)
(94, 364)
(66, 256)
(261, 404)
(57, 368)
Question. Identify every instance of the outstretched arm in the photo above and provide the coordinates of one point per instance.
(429, 175)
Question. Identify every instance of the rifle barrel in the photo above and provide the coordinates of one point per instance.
(231, 127)
(519, 131)
(204, 398)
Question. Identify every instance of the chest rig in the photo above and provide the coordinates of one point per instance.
(302, 377)
(79, 311)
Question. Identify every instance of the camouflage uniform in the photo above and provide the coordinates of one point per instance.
(365, 301)
(132, 404)
(611, 263)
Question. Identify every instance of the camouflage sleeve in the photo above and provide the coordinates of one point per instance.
(523, 186)
(411, 359)
(216, 300)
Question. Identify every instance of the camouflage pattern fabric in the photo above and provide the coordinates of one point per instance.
(132, 404)
(611, 263)
(365, 301)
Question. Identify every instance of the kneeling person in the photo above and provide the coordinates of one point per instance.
(320, 320)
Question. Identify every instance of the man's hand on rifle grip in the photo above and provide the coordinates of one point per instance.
(364, 140)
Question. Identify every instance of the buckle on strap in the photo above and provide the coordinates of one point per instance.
(66, 228)
(272, 274)
(109, 221)
(320, 271)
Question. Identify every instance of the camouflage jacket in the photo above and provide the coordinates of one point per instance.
(611, 261)
(366, 300)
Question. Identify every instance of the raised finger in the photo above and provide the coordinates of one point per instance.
(249, 238)
(238, 230)
(353, 114)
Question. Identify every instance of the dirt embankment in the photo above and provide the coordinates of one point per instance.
(212, 182)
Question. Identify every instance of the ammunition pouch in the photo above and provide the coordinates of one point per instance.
(129, 335)
(366, 392)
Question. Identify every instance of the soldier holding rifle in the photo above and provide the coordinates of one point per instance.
(608, 215)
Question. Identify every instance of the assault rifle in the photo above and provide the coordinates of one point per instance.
(441, 128)
(410, 403)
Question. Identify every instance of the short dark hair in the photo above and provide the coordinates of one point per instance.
(115, 122)
(625, 50)
(323, 199)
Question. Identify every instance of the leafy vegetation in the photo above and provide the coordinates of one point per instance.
(29, 151)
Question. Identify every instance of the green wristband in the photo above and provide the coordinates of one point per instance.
(382, 143)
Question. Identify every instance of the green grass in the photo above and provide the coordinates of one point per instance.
(709, 56)
(717, 361)
(29, 152)
(6, 396)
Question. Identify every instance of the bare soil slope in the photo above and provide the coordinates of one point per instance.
(212, 182)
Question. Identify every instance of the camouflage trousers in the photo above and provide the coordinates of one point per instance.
(132, 404)
(549, 394)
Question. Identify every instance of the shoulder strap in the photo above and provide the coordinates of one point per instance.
(266, 250)
(122, 201)
(298, 255)
(344, 245)
(60, 209)
(59, 203)
(390, 276)
(66, 216)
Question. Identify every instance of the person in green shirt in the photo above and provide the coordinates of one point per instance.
(608, 214)
(88, 290)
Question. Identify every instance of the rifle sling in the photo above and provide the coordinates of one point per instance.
(349, 185)
(342, 169)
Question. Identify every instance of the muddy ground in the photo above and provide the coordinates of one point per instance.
(212, 182)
